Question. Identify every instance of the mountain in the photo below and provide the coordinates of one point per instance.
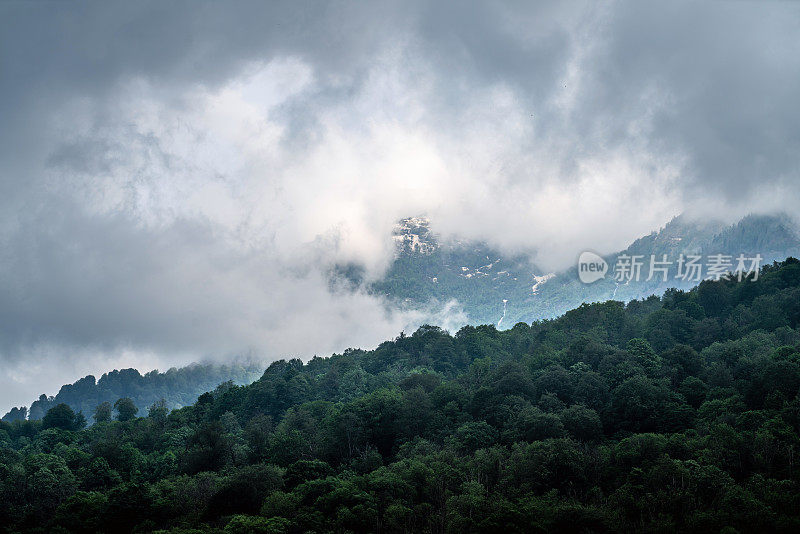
(178, 387)
(673, 414)
(774, 237)
(491, 287)
(496, 289)
(478, 276)
(771, 236)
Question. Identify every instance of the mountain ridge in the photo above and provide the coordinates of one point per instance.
(678, 413)
(489, 285)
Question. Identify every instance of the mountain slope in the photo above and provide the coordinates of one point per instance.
(477, 275)
(774, 237)
(490, 286)
(674, 414)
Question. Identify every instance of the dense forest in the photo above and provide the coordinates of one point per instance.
(177, 387)
(678, 413)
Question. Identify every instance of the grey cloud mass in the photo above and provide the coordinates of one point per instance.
(177, 177)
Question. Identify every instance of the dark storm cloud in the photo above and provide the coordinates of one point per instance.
(715, 81)
(162, 163)
(52, 51)
(728, 71)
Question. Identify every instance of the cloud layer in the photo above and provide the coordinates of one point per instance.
(176, 179)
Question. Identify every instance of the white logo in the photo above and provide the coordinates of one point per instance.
(591, 267)
(688, 268)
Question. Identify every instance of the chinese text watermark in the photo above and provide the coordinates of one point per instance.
(687, 267)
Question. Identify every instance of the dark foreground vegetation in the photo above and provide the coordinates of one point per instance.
(672, 414)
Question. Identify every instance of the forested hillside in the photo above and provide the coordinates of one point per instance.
(666, 414)
(177, 387)
(476, 275)
(774, 237)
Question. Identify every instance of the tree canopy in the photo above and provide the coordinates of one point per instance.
(672, 414)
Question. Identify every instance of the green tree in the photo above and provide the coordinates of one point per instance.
(475, 435)
(583, 423)
(102, 413)
(158, 411)
(16, 414)
(126, 409)
(61, 416)
(532, 424)
(245, 524)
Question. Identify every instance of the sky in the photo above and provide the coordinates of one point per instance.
(177, 178)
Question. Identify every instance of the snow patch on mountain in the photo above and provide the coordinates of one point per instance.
(539, 280)
(505, 307)
(413, 234)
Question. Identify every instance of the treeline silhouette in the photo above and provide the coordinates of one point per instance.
(672, 414)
